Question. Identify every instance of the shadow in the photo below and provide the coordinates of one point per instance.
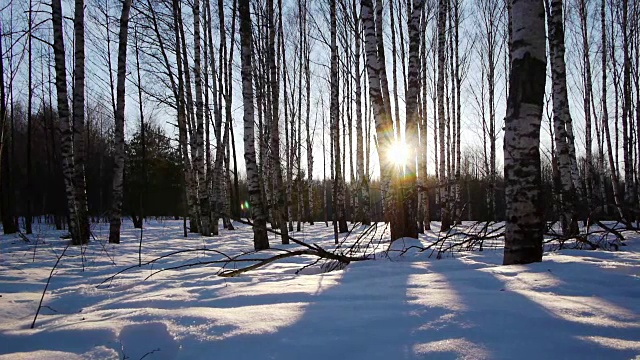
(412, 308)
(502, 319)
(145, 339)
(359, 317)
(613, 287)
(68, 340)
(406, 308)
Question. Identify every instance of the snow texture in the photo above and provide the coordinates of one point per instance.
(403, 305)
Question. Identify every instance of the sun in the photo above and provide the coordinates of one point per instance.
(398, 153)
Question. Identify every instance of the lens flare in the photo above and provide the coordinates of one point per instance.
(398, 153)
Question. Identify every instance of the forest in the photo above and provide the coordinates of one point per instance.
(318, 179)
(420, 102)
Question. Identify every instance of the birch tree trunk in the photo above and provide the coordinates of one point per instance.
(217, 124)
(384, 83)
(66, 130)
(182, 122)
(299, 177)
(363, 207)
(203, 193)
(260, 239)
(279, 203)
(192, 184)
(381, 113)
(143, 130)
(186, 99)
(458, 110)
(118, 133)
(490, 17)
(207, 45)
(338, 190)
(394, 76)
(525, 223)
(627, 140)
(605, 115)
(288, 137)
(444, 205)
(424, 129)
(307, 71)
(586, 80)
(79, 149)
(228, 107)
(561, 117)
(29, 203)
(409, 198)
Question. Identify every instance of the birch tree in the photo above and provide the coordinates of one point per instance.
(490, 14)
(79, 146)
(410, 200)
(362, 187)
(562, 120)
(381, 112)
(279, 205)
(524, 226)
(587, 98)
(335, 127)
(29, 205)
(425, 219)
(309, 136)
(118, 163)
(66, 130)
(199, 164)
(260, 239)
(605, 113)
(445, 216)
(627, 134)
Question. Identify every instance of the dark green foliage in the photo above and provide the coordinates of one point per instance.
(161, 189)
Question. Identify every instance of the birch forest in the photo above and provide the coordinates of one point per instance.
(286, 114)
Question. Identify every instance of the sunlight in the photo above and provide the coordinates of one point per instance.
(398, 153)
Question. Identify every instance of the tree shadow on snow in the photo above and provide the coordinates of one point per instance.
(493, 317)
(364, 316)
(444, 310)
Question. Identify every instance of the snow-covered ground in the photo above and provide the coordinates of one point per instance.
(575, 304)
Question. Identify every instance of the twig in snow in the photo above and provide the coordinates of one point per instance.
(149, 353)
(23, 236)
(110, 278)
(33, 324)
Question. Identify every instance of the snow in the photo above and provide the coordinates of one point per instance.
(405, 304)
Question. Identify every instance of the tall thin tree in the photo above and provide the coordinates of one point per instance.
(260, 240)
(525, 225)
(118, 163)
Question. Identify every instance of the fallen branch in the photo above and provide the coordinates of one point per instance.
(110, 278)
(33, 324)
(23, 237)
(309, 249)
(261, 263)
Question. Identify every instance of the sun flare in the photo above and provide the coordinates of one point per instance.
(398, 153)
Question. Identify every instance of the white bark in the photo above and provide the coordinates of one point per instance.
(381, 113)
(525, 223)
(442, 123)
(362, 189)
(79, 147)
(118, 168)
(199, 164)
(562, 117)
(260, 240)
(66, 132)
(338, 190)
